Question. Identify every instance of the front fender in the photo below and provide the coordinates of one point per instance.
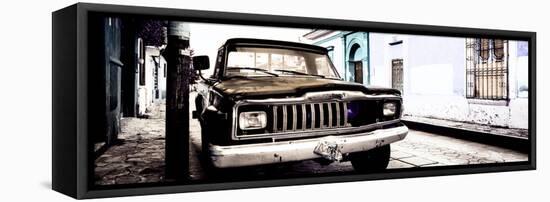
(211, 113)
(216, 126)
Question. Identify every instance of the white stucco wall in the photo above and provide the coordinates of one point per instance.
(380, 60)
(162, 77)
(434, 80)
(518, 80)
(146, 92)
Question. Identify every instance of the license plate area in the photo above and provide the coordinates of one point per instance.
(329, 148)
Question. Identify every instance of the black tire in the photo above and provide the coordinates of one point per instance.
(374, 160)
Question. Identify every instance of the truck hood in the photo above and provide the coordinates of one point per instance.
(282, 86)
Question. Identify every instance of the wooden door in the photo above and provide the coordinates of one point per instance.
(397, 74)
(358, 71)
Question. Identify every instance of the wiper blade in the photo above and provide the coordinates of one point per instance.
(255, 69)
(298, 73)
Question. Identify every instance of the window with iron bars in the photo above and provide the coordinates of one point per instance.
(487, 69)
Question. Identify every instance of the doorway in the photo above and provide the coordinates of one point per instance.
(356, 60)
(397, 74)
(358, 71)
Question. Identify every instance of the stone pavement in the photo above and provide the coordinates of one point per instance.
(140, 157)
(420, 149)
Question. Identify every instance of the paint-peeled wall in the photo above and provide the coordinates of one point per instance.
(434, 80)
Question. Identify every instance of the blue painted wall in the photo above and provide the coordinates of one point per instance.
(354, 46)
(357, 49)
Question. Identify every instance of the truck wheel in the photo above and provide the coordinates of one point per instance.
(373, 160)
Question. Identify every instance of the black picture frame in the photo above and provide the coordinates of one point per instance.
(70, 122)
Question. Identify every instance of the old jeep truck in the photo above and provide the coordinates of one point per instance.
(271, 102)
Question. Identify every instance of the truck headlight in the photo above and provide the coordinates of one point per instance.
(252, 120)
(389, 109)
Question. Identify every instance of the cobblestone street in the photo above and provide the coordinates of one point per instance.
(140, 156)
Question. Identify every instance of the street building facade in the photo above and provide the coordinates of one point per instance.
(349, 51)
(107, 66)
(152, 83)
(472, 80)
(133, 75)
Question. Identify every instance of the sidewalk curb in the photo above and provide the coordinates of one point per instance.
(509, 142)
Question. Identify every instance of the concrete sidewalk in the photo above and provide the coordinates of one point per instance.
(469, 127)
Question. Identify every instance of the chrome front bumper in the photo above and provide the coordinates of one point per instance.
(298, 150)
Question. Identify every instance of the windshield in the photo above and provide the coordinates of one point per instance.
(254, 61)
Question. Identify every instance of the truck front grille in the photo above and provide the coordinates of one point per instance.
(312, 116)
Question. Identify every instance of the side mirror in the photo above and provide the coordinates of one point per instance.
(201, 62)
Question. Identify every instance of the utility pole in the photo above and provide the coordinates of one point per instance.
(177, 102)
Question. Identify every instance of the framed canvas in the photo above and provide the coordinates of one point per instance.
(158, 100)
